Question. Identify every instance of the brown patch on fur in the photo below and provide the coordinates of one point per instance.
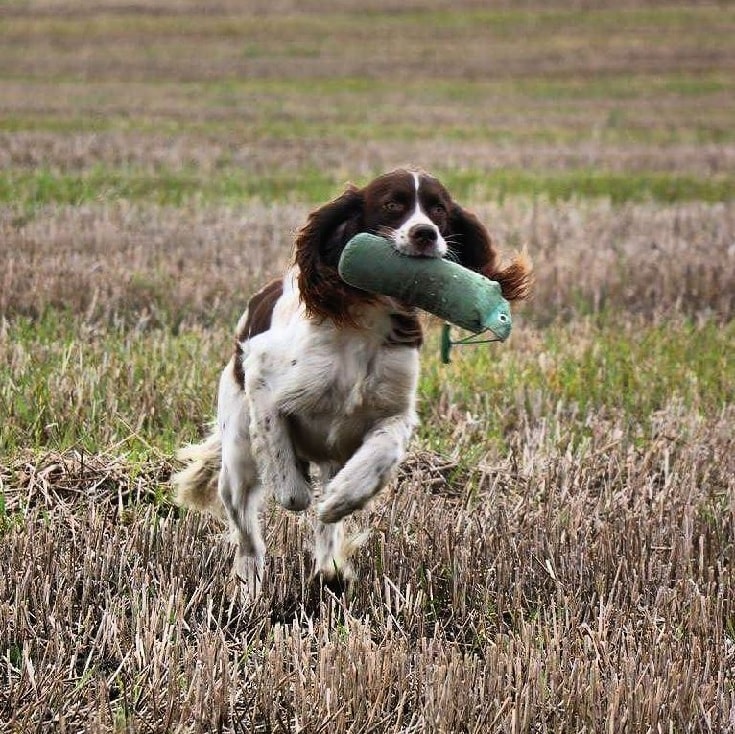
(470, 242)
(405, 330)
(260, 313)
(237, 369)
(475, 250)
(319, 245)
(260, 310)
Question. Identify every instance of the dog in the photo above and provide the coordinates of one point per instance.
(325, 375)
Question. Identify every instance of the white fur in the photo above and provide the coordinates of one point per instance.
(402, 235)
(314, 392)
(308, 392)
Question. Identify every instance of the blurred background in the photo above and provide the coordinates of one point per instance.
(180, 119)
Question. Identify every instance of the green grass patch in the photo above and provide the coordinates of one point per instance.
(497, 23)
(30, 189)
(55, 124)
(624, 86)
(351, 124)
(607, 367)
(63, 384)
(528, 109)
(619, 187)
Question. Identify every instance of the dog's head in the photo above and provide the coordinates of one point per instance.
(417, 214)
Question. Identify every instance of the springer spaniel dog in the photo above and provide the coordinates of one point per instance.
(325, 374)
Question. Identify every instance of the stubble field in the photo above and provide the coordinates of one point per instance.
(556, 554)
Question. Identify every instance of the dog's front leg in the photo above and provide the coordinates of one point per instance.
(280, 470)
(369, 469)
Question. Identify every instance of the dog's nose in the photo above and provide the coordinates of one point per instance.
(423, 235)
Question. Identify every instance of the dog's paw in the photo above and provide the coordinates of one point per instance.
(249, 574)
(335, 574)
(339, 582)
(293, 493)
(336, 506)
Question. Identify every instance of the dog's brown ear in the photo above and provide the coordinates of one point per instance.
(470, 240)
(474, 249)
(516, 280)
(319, 245)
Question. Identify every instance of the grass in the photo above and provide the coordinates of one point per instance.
(604, 367)
(521, 571)
(500, 22)
(556, 552)
(28, 190)
(62, 389)
(609, 109)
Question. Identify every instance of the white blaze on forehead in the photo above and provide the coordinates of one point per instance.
(418, 211)
(402, 236)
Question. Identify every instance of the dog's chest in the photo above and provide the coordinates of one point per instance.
(341, 392)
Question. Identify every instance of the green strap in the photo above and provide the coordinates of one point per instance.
(447, 343)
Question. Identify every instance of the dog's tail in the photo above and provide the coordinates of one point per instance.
(196, 484)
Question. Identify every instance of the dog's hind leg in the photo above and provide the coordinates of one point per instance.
(331, 564)
(242, 496)
(239, 485)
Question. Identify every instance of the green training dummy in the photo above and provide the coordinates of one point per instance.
(441, 287)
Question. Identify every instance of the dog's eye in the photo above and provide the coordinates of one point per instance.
(438, 210)
(393, 206)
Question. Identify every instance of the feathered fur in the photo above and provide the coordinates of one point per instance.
(196, 484)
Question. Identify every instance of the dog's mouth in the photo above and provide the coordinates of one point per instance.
(418, 241)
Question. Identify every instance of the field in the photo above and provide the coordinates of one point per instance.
(557, 553)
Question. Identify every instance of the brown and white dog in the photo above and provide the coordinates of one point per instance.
(325, 374)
